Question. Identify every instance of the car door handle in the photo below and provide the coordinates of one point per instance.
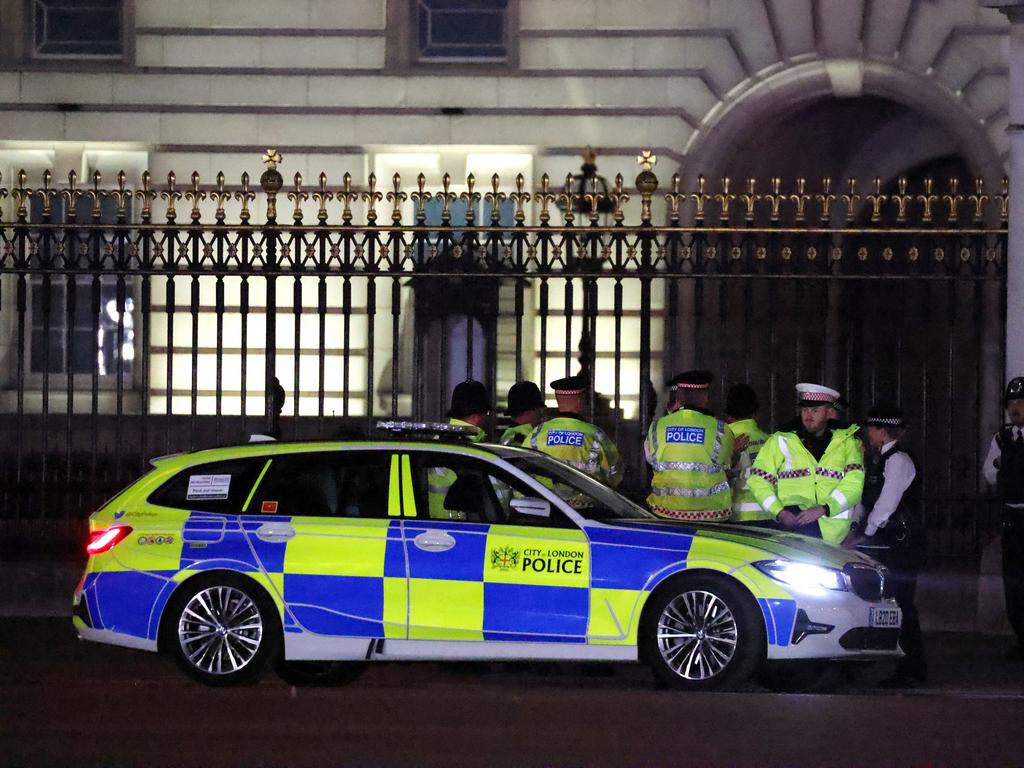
(275, 532)
(434, 541)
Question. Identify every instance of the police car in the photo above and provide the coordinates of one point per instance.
(319, 557)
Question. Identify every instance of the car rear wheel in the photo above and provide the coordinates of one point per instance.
(703, 632)
(222, 630)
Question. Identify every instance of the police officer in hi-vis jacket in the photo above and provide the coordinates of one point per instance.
(810, 474)
(571, 439)
(690, 451)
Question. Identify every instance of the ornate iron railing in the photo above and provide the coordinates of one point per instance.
(769, 284)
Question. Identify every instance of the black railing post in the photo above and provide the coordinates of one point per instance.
(271, 182)
(646, 184)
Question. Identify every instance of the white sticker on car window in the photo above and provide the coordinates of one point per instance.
(208, 487)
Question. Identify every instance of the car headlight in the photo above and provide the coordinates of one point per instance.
(805, 577)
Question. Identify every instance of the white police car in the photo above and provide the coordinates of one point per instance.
(322, 556)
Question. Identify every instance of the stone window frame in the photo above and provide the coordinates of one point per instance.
(402, 44)
(16, 41)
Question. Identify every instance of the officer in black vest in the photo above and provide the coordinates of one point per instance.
(1004, 468)
(892, 532)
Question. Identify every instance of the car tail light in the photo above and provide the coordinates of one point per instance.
(101, 541)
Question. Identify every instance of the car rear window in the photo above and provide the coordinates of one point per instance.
(220, 486)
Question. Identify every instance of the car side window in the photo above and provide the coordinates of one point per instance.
(452, 487)
(337, 484)
(221, 486)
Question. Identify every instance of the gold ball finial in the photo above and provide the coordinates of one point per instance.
(272, 158)
(589, 155)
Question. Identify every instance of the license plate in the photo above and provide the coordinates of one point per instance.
(885, 617)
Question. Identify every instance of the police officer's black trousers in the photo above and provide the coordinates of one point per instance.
(1013, 568)
(903, 562)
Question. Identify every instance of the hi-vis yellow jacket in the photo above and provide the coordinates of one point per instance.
(516, 435)
(581, 445)
(689, 452)
(744, 506)
(786, 474)
(441, 479)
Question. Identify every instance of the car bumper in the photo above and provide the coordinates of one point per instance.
(834, 625)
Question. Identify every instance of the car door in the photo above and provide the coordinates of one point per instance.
(326, 526)
(484, 572)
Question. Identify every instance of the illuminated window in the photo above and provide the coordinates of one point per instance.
(77, 29)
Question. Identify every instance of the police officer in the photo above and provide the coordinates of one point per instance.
(810, 474)
(891, 532)
(526, 409)
(573, 440)
(690, 451)
(741, 407)
(470, 406)
(1004, 468)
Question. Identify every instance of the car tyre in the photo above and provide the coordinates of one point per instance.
(319, 673)
(703, 632)
(222, 629)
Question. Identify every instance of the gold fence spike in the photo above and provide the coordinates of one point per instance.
(876, 199)
(171, 195)
(567, 200)
(927, 200)
(196, 196)
(826, 199)
(724, 200)
(852, 200)
(146, 195)
(749, 198)
(519, 197)
(800, 199)
(546, 198)
(220, 196)
(420, 197)
(396, 197)
(298, 197)
(1003, 198)
(47, 193)
(979, 199)
(245, 196)
(371, 197)
(953, 200)
(470, 197)
(347, 196)
(71, 195)
(495, 198)
(97, 196)
(902, 199)
(700, 198)
(675, 198)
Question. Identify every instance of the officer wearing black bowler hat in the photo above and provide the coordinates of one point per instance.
(1004, 468)
(891, 531)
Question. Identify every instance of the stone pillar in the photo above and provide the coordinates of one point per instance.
(1014, 10)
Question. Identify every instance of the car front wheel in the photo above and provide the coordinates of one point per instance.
(222, 630)
(703, 632)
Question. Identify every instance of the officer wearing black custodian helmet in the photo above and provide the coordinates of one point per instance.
(1004, 468)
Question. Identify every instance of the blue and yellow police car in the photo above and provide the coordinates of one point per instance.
(318, 557)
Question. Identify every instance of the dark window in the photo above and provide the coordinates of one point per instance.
(454, 30)
(450, 487)
(341, 484)
(221, 486)
(77, 28)
(84, 340)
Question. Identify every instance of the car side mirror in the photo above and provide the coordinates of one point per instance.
(531, 507)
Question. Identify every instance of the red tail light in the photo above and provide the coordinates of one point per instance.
(101, 541)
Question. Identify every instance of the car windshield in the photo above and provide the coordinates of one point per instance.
(587, 496)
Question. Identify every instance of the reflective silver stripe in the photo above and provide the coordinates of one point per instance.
(838, 496)
(719, 434)
(690, 492)
(747, 506)
(438, 488)
(686, 466)
(533, 438)
(651, 443)
(769, 501)
(595, 447)
(784, 447)
(841, 516)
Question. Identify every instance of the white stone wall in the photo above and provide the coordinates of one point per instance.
(214, 82)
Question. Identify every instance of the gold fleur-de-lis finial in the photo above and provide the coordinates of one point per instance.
(646, 159)
(272, 158)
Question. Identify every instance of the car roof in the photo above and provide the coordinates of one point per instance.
(282, 448)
